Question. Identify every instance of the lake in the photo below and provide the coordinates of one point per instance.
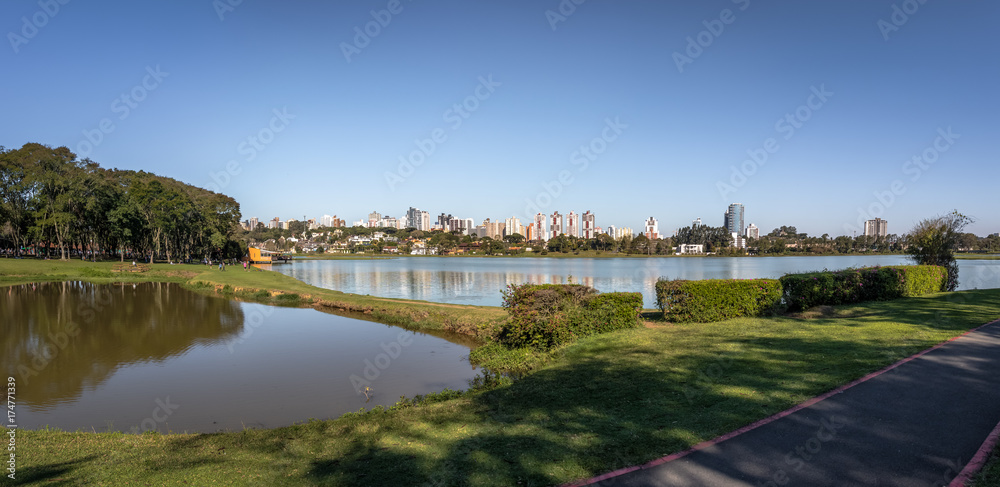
(479, 280)
(155, 356)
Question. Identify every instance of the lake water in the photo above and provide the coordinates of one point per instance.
(151, 356)
(479, 280)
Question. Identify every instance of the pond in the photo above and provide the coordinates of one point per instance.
(479, 280)
(155, 356)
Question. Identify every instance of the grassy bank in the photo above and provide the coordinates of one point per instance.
(261, 286)
(977, 256)
(601, 403)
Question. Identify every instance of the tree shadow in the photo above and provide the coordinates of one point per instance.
(51, 473)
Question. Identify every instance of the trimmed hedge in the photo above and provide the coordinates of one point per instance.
(803, 291)
(717, 299)
(542, 316)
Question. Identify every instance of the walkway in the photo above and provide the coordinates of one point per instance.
(919, 422)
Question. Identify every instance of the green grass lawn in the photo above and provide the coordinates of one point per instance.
(599, 404)
(990, 475)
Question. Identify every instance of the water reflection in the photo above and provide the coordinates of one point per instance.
(62, 338)
(159, 357)
(479, 280)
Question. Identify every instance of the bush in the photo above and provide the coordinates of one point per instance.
(614, 311)
(803, 291)
(542, 316)
(717, 299)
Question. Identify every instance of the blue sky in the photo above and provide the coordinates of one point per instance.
(285, 107)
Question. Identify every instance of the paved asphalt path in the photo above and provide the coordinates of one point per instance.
(917, 423)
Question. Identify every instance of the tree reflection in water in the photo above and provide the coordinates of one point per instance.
(62, 337)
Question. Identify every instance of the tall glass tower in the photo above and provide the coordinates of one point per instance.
(734, 218)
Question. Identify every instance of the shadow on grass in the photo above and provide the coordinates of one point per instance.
(595, 415)
(51, 473)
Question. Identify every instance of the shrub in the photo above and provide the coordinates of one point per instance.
(803, 291)
(542, 316)
(614, 311)
(717, 299)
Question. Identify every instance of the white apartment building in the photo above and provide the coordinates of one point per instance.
(652, 229)
(572, 225)
(588, 225)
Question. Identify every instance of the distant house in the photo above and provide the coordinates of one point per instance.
(421, 248)
(690, 249)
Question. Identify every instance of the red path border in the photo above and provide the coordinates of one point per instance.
(971, 469)
(977, 462)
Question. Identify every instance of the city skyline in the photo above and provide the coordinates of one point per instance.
(544, 226)
(821, 116)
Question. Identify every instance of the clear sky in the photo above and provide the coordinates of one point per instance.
(291, 109)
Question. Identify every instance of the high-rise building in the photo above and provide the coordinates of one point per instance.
(540, 232)
(588, 225)
(753, 232)
(413, 218)
(652, 229)
(425, 221)
(326, 221)
(876, 228)
(443, 220)
(253, 223)
(466, 226)
(275, 223)
(610, 230)
(572, 225)
(512, 225)
(555, 225)
(492, 229)
(734, 218)
(374, 218)
(696, 223)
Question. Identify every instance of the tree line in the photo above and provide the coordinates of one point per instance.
(50, 201)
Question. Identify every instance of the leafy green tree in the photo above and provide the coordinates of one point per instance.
(514, 238)
(933, 241)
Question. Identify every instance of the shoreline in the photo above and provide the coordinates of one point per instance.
(263, 286)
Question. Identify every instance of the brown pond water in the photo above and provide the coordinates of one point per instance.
(155, 356)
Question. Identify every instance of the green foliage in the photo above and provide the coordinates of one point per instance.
(511, 361)
(717, 299)
(934, 241)
(713, 238)
(803, 291)
(542, 316)
(613, 311)
(48, 196)
(288, 299)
